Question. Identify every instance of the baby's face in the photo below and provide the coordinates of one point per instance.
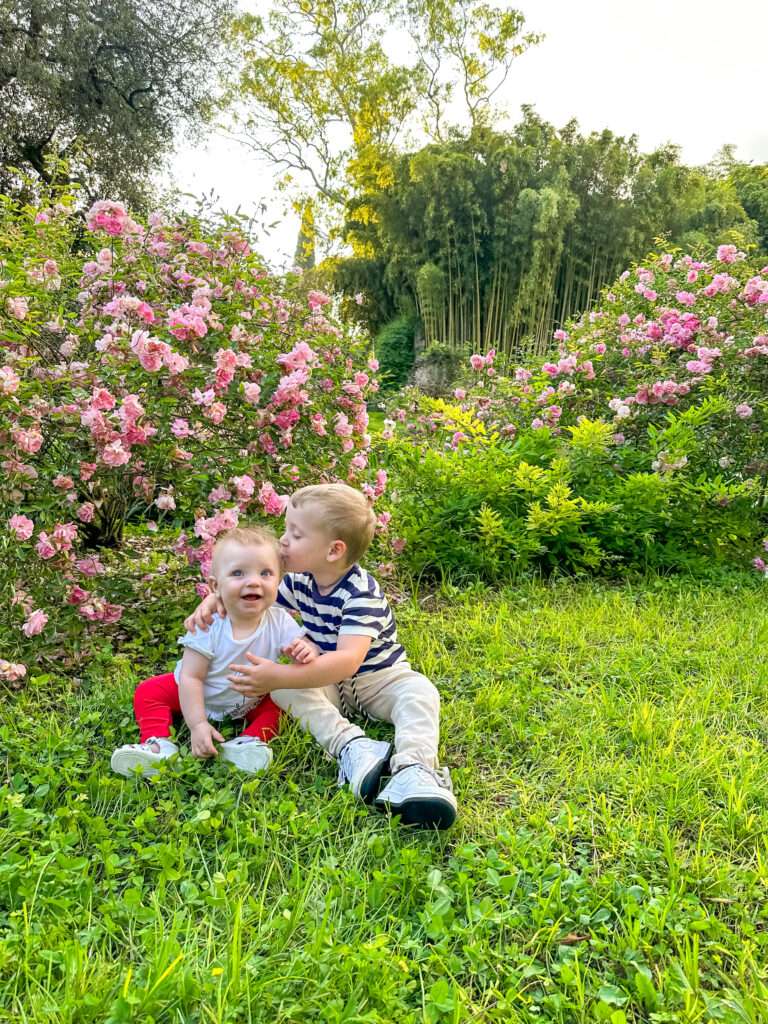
(246, 577)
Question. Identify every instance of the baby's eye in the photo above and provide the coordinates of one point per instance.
(266, 572)
(237, 572)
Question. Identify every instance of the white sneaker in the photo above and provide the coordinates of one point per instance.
(362, 762)
(126, 760)
(421, 796)
(249, 753)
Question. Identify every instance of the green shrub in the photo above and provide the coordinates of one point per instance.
(395, 351)
(657, 401)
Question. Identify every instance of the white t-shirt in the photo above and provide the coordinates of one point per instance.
(276, 629)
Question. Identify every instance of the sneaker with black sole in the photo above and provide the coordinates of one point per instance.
(362, 762)
(421, 796)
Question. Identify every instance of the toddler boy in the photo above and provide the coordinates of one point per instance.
(361, 667)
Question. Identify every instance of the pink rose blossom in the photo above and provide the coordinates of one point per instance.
(44, 547)
(11, 672)
(22, 527)
(86, 512)
(165, 500)
(35, 623)
(9, 381)
(726, 253)
(28, 441)
(90, 566)
(743, 411)
(252, 393)
(180, 428)
(115, 455)
(18, 307)
(274, 504)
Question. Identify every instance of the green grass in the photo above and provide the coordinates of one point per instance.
(610, 861)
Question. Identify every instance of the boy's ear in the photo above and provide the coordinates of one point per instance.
(211, 581)
(337, 550)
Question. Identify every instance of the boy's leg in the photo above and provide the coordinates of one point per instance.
(319, 711)
(263, 720)
(155, 702)
(419, 791)
(411, 702)
(362, 761)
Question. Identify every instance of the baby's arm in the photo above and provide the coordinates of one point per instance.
(194, 666)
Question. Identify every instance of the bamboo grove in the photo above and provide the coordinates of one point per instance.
(492, 238)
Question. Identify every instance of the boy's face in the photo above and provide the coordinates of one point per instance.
(305, 545)
(246, 577)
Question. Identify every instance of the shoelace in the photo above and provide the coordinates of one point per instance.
(440, 775)
(345, 766)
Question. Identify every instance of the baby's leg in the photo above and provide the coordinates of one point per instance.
(263, 720)
(155, 702)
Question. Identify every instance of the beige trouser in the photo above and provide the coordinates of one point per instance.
(398, 695)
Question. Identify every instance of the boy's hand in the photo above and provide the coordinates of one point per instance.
(256, 679)
(202, 617)
(301, 650)
(202, 736)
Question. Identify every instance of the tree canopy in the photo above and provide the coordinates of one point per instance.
(493, 236)
(103, 88)
(320, 98)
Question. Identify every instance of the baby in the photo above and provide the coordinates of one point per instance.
(245, 575)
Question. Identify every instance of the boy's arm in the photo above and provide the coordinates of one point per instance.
(194, 665)
(262, 676)
(202, 617)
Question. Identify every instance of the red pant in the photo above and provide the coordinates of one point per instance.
(157, 700)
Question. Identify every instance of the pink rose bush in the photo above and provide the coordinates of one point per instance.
(167, 378)
(655, 403)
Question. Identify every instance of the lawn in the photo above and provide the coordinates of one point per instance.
(610, 859)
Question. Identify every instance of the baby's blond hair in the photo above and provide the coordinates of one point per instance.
(249, 535)
(345, 514)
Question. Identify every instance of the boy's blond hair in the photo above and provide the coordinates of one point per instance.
(249, 535)
(344, 513)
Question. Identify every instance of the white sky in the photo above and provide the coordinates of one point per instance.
(695, 74)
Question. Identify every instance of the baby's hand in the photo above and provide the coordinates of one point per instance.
(301, 650)
(202, 736)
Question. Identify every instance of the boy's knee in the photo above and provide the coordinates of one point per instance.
(282, 698)
(428, 693)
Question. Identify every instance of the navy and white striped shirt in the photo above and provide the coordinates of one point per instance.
(355, 607)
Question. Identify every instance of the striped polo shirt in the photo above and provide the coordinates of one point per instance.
(355, 607)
